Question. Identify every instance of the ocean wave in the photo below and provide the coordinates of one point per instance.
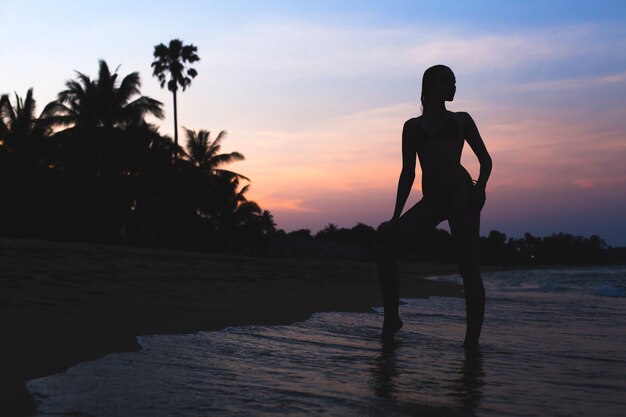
(609, 290)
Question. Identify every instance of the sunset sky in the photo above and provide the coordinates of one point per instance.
(314, 94)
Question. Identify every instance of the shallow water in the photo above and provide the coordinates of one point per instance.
(554, 344)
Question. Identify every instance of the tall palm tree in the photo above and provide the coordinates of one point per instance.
(103, 102)
(171, 60)
(204, 153)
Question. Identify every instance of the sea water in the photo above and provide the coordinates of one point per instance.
(553, 344)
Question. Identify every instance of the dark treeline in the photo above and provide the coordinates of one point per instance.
(495, 248)
(91, 168)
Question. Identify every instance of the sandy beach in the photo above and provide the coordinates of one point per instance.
(65, 303)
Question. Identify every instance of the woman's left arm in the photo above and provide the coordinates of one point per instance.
(472, 136)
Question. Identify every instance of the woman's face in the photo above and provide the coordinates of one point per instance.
(444, 87)
(448, 85)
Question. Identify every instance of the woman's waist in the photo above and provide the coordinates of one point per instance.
(438, 182)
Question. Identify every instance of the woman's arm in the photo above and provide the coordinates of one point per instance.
(475, 142)
(472, 136)
(407, 176)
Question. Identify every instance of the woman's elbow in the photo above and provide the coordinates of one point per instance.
(486, 162)
(407, 175)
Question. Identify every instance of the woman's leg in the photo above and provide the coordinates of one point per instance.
(464, 220)
(412, 225)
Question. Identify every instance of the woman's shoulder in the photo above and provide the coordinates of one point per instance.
(461, 116)
(409, 124)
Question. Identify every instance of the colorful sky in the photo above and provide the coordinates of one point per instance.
(314, 94)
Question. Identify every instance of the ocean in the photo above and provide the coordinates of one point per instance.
(553, 344)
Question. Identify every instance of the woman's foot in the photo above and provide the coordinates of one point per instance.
(391, 327)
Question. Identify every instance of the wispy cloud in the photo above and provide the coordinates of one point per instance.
(589, 81)
(303, 48)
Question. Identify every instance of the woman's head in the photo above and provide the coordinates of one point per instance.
(438, 85)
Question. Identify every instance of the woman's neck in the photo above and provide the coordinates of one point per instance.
(435, 108)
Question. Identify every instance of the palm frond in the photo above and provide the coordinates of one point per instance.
(5, 109)
(217, 143)
(104, 74)
(7, 112)
(130, 86)
(74, 91)
(247, 210)
(243, 191)
(226, 158)
(231, 174)
(84, 79)
(29, 105)
(143, 106)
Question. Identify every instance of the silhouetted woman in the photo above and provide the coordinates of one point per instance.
(437, 138)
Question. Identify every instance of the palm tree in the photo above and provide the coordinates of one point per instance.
(24, 155)
(100, 112)
(232, 207)
(21, 132)
(172, 60)
(103, 102)
(204, 153)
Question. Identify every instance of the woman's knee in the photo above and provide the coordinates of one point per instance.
(473, 284)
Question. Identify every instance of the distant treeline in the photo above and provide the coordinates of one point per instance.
(495, 249)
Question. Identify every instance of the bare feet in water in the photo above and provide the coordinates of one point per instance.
(391, 327)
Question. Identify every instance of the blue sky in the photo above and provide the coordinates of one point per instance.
(314, 94)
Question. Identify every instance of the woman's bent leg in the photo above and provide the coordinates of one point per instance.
(412, 225)
(464, 223)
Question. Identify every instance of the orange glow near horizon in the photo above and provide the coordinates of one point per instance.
(531, 155)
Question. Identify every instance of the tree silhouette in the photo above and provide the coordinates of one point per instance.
(203, 153)
(21, 132)
(91, 168)
(238, 220)
(171, 60)
(219, 195)
(103, 102)
(99, 111)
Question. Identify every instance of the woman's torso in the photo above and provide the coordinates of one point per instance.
(439, 152)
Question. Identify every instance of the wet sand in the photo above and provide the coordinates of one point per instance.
(65, 303)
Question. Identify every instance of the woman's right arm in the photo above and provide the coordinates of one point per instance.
(407, 176)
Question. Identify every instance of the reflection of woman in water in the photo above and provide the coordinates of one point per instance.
(437, 138)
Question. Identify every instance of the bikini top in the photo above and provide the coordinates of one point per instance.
(439, 150)
(449, 129)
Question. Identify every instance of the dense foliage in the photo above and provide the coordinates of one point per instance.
(91, 168)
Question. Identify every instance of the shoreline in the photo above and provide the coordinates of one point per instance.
(66, 303)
